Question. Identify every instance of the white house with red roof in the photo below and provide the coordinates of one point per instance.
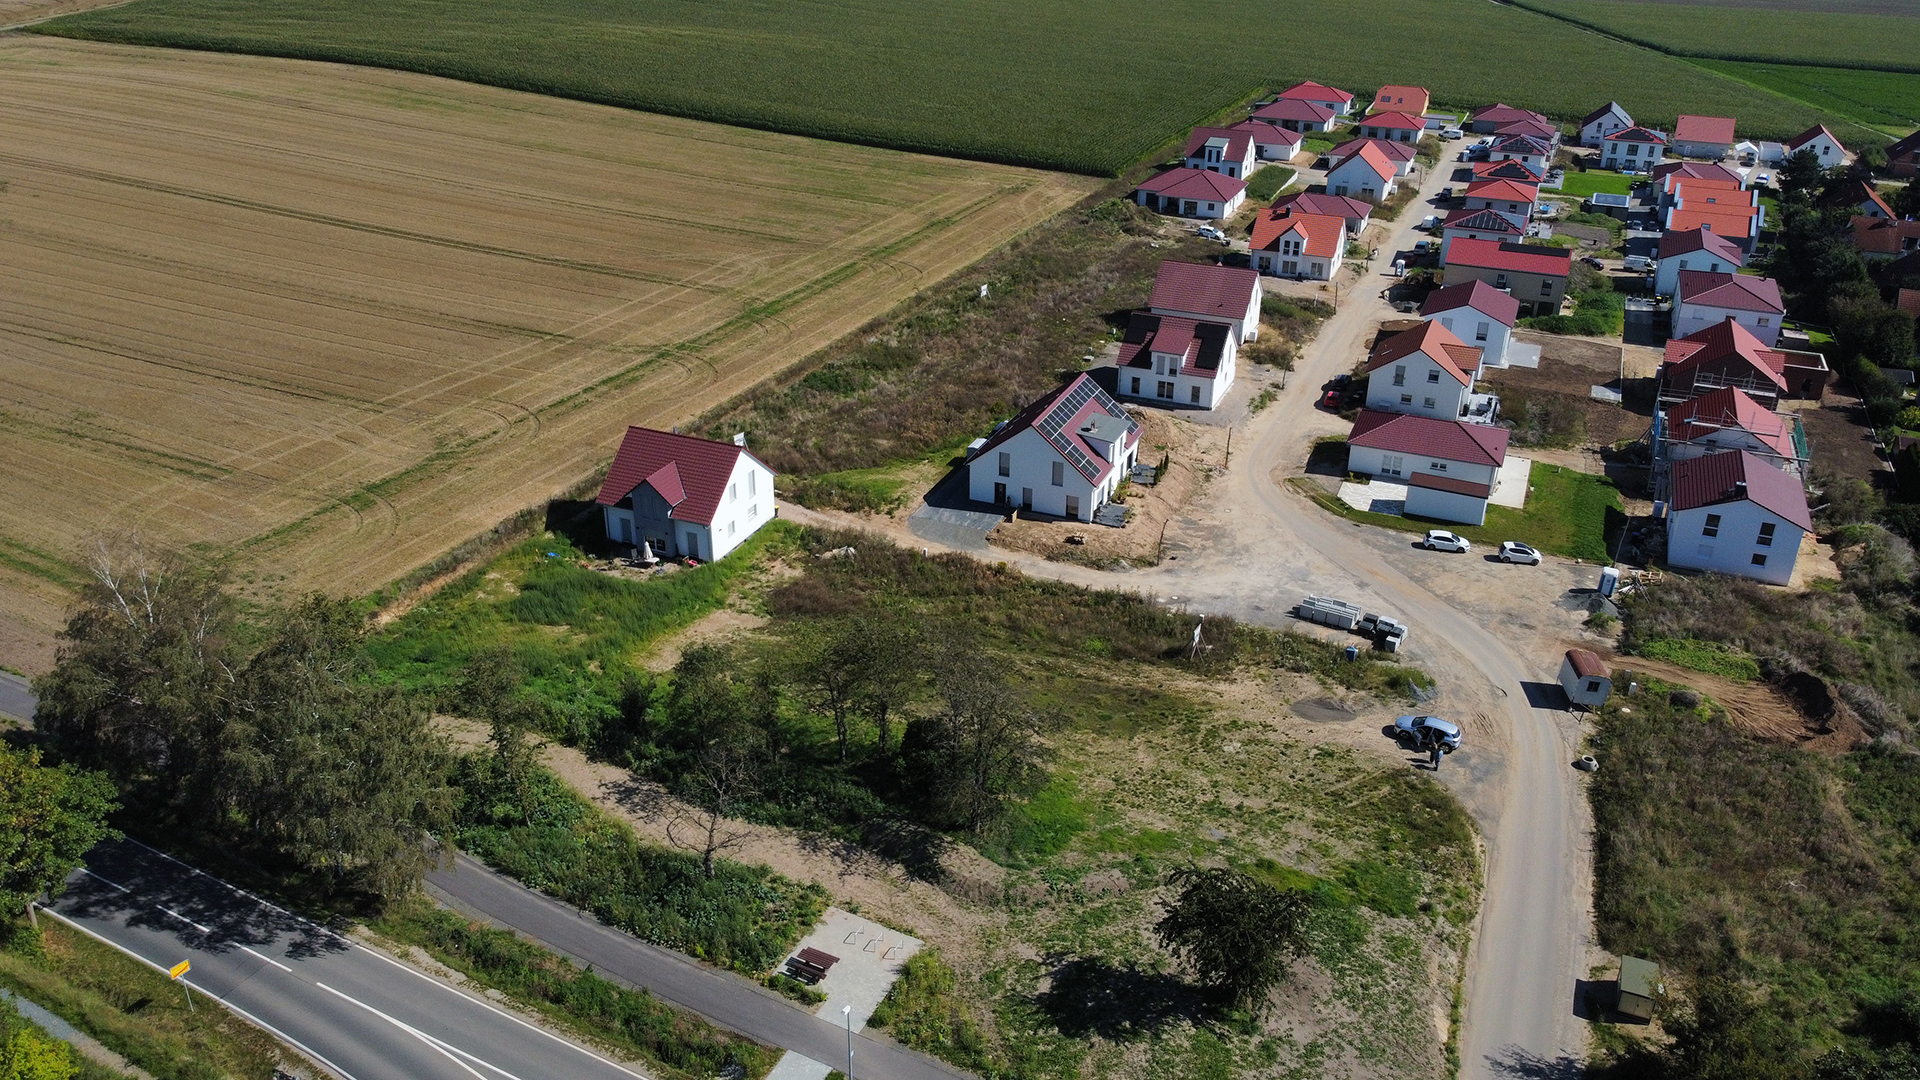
(1859, 197)
(1270, 143)
(1411, 100)
(1602, 122)
(1175, 360)
(1708, 137)
(1354, 211)
(1483, 224)
(1727, 354)
(684, 497)
(1532, 129)
(1693, 249)
(1194, 193)
(1062, 455)
(1364, 174)
(1425, 371)
(1339, 101)
(1450, 468)
(1725, 419)
(1401, 154)
(1481, 316)
(1510, 198)
(1210, 293)
(1702, 298)
(1291, 243)
(1393, 126)
(1487, 118)
(1821, 141)
(1533, 274)
(1735, 514)
(1525, 149)
(1637, 148)
(1227, 151)
(1295, 115)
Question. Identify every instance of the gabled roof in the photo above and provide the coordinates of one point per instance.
(1510, 169)
(1504, 191)
(1904, 146)
(1737, 475)
(1447, 440)
(1199, 344)
(1321, 235)
(1727, 220)
(1501, 113)
(690, 474)
(1203, 289)
(1195, 184)
(1513, 258)
(1478, 295)
(1857, 193)
(1737, 292)
(1882, 236)
(1234, 143)
(1482, 220)
(1723, 342)
(1436, 343)
(1681, 242)
(1703, 129)
(1535, 129)
(1728, 407)
(1313, 91)
(1266, 134)
(1811, 134)
(1639, 135)
(1522, 144)
(1711, 189)
(1609, 107)
(1412, 99)
(1399, 121)
(1294, 109)
(1319, 202)
(1394, 151)
(1059, 415)
(1695, 170)
(1374, 159)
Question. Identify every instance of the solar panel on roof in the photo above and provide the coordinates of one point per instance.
(1052, 424)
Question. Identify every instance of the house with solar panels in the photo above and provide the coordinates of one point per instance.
(1063, 455)
(685, 498)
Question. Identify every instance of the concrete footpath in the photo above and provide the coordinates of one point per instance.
(726, 999)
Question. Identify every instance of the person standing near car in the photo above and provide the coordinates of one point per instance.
(1433, 757)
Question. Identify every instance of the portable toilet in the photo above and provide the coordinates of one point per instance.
(1609, 581)
(1584, 677)
(1639, 985)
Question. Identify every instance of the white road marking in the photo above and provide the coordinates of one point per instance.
(183, 919)
(270, 960)
(97, 877)
(446, 1049)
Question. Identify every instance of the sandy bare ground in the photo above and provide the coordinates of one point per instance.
(336, 320)
(14, 13)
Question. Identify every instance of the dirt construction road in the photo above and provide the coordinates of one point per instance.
(1252, 548)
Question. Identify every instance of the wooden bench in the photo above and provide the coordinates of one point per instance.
(810, 965)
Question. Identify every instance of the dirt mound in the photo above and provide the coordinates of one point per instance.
(1324, 710)
(1801, 709)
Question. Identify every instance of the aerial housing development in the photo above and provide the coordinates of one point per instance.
(944, 541)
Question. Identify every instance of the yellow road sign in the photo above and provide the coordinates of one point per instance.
(181, 968)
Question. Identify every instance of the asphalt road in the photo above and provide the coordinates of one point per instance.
(16, 700)
(348, 1008)
(726, 1000)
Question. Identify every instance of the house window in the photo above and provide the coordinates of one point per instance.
(1593, 686)
(1427, 403)
(1766, 535)
(1500, 281)
(1406, 399)
(1136, 385)
(1392, 464)
(1446, 321)
(1163, 390)
(753, 486)
(1759, 560)
(1006, 463)
(1433, 376)
(1437, 466)
(1480, 332)
(1764, 320)
(753, 509)
(1073, 506)
(1059, 474)
(1399, 374)
(1196, 396)
(733, 492)
(1546, 288)
(1633, 149)
(1712, 527)
(731, 525)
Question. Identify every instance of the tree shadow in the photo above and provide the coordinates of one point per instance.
(1527, 1065)
(918, 850)
(1091, 996)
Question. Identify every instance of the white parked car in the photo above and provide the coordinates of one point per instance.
(1640, 263)
(1208, 232)
(1426, 732)
(1452, 133)
(1442, 540)
(1513, 551)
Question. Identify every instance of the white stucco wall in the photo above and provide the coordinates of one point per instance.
(1030, 465)
(1691, 318)
(1518, 211)
(1666, 272)
(1617, 153)
(1484, 332)
(1446, 392)
(1375, 462)
(1446, 506)
(746, 504)
(1354, 177)
(1731, 552)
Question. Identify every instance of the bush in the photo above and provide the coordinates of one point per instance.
(920, 1010)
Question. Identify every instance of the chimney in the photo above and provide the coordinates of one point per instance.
(740, 438)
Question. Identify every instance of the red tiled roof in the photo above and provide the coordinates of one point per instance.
(1513, 258)
(1319, 202)
(1726, 220)
(1701, 169)
(1703, 129)
(1294, 109)
(1522, 144)
(1534, 129)
(1237, 141)
(1724, 341)
(1267, 134)
(1738, 292)
(1504, 191)
(1809, 135)
(1482, 220)
(1676, 242)
(1377, 161)
(1710, 189)
(1402, 98)
(1203, 289)
(1510, 169)
(1398, 121)
(1195, 184)
(1478, 295)
(690, 474)
(1320, 234)
(1454, 484)
(1436, 343)
(1713, 479)
(1728, 407)
(1500, 113)
(1057, 416)
(1881, 236)
(1200, 345)
(1447, 440)
(1639, 135)
(1313, 91)
(1398, 151)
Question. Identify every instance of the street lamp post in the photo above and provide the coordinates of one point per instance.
(847, 1011)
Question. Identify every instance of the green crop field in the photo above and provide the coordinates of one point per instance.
(1807, 36)
(1882, 98)
(1053, 83)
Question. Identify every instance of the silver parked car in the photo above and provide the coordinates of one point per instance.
(1428, 732)
(1442, 540)
(1513, 551)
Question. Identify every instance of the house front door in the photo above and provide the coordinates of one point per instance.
(1026, 498)
(999, 494)
(693, 546)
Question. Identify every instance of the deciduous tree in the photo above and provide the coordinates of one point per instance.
(50, 817)
(980, 752)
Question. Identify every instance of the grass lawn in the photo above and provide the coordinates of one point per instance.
(1268, 182)
(1579, 185)
(1568, 513)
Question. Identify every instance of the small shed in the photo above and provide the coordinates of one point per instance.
(1585, 679)
(1639, 985)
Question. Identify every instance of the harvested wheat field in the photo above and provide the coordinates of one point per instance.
(333, 321)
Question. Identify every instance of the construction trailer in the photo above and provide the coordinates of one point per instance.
(1585, 679)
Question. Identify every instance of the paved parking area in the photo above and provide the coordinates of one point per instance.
(870, 956)
(954, 527)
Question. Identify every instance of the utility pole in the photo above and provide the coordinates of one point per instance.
(847, 1011)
